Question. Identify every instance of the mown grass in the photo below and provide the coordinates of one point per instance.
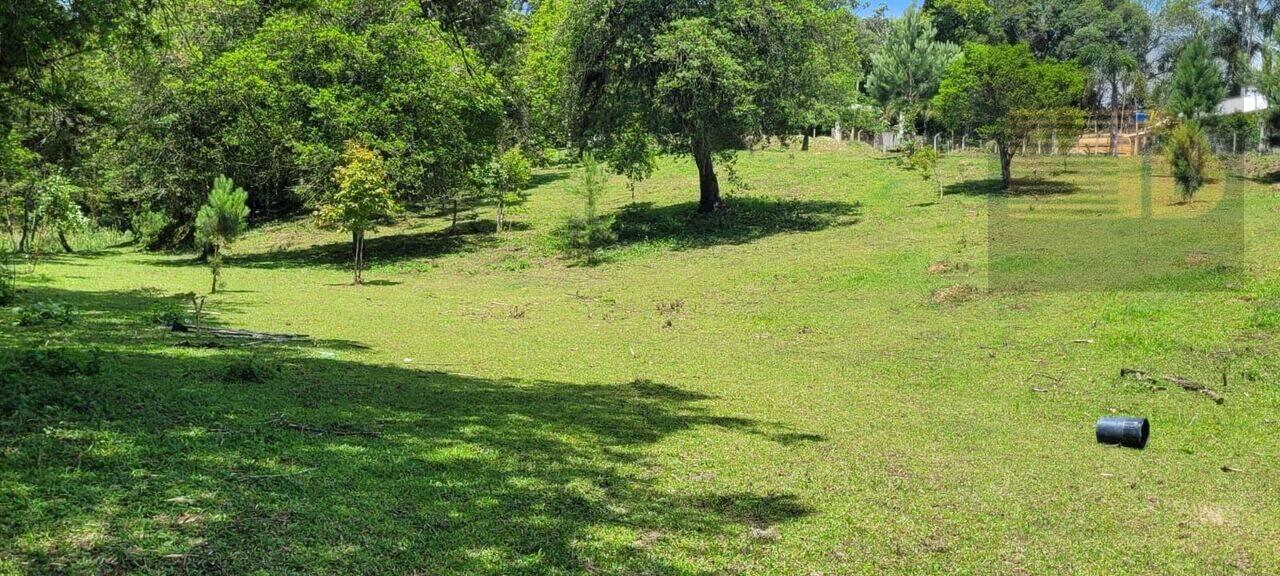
(819, 381)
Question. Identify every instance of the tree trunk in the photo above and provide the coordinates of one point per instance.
(804, 147)
(213, 268)
(708, 184)
(1115, 121)
(1263, 145)
(28, 225)
(501, 206)
(1006, 163)
(454, 224)
(62, 239)
(357, 237)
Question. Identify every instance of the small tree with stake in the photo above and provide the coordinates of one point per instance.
(924, 160)
(506, 179)
(360, 200)
(220, 221)
(1188, 157)
(586, 234)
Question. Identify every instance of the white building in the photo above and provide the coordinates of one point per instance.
(1250, 101)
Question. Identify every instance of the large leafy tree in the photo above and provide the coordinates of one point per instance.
(1236, 36)
(269, 92)
(541, 118)
(1269, 79)
(961, 21)
(38, 38)
(689, 76)
(908, 66)
(1113, 48)
(1196, 87)
(1004, 91)
(835, 73)
(1044, 25)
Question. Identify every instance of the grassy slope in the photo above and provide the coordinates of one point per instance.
(775, 392)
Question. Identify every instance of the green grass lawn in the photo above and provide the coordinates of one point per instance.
(819, 381)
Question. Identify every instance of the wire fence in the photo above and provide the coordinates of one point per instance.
(1098, 135)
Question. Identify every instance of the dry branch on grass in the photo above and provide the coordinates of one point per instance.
(1179, 381)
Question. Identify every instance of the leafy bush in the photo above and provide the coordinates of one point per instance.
(923, 159)
(250, 370)
(583, 236)
(52, 384)
(46, 312)
(58, 362)
(147, 226)
(1188, 156)
(8, 292)
(167, 313)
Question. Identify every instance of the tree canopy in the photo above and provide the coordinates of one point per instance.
(1000, 90)
(692, 77)
(908, 66)
(1196, 87)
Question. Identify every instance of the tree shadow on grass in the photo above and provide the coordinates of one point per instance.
(272, 460)
(1019, 187)
(542, 178)
(745, 219)
(390, 248)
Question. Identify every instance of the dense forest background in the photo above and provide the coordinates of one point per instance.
(121, 113)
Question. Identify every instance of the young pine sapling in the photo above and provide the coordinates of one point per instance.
(586, 234)
(220, 221)
(1188, 157)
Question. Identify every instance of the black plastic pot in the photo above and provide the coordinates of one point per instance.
(1126, 431)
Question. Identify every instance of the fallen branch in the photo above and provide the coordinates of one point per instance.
(240, 334)
(325, 431)
(1134, 373)
(1193, 387)
(278, 475)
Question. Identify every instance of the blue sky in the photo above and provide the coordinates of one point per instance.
(895, 7)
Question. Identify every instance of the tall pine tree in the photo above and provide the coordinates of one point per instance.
(1196, 87)
(907, 68)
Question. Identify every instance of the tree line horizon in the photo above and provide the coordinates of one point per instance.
(121, 113)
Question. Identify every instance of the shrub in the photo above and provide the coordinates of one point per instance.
(167, 313)
(147, 226)
(583, 236)
(46, 312)
(58, 362)
(53, 384)
(923, 159)
(250, 370)
(8, 291)
(1188, 157)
